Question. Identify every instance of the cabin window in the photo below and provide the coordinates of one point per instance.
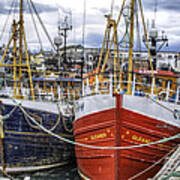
(75, 85)
(170, 57)
(169, 81)
(125, 78)
(146, 80)
(34, 84)
(64, 84)
(49, 84)
(138, 55)
(41, 84)
(159, 82)
(10, 83)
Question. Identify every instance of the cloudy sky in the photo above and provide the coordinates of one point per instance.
(54, 11)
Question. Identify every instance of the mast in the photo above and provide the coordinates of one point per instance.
(15, 57)
(18, 31)
(20, 43)
(109, 41)
(22, 38)
(130, 64)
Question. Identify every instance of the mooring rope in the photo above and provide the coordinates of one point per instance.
(37, 127)
(65, 126)
(175, 112)
(173, 174)
(100, 147)
(165, 107)
(92, 146)
(9, 114)
(153, 165)
(36, 116)
(63, 121)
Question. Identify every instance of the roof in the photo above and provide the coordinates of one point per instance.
(53, 79)
(158, 72)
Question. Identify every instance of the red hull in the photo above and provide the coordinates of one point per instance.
(120, 127)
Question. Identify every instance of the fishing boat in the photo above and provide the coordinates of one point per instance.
(125, 110)
(23, 145)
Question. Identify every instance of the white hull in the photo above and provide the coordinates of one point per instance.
(138, 104)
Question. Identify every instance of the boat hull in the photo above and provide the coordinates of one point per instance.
(25, 147)
(120, 126)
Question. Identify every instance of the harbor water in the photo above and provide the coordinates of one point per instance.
(68, 172)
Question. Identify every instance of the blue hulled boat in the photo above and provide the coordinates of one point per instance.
(24, 146)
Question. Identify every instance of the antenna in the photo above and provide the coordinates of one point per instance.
(112, 7)
(155, 11)
(65, 26)
(147, 25)
(155, 39)
(83, 38)
(84, 24)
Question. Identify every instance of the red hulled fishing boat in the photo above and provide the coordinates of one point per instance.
(122, 120)
(123, 109)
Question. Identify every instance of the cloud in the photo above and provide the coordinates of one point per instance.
(4, 7)
(45, 7)
(167, 17)
(102, 10)
(162, 5)
(172, 5)
(94, 39)
(14, 5)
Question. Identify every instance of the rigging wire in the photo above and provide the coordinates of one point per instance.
(15, 7)
(155, 10)
(138, 40)
(112, 8)
(35, 26)
(14, 10)
(84, 25)
(74, 31)
(83, 37)
(7, 20)
(42, 24)
(123, 43)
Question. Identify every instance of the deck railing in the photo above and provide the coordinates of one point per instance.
(160, 87)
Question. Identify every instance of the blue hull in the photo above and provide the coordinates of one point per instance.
(27, 148)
